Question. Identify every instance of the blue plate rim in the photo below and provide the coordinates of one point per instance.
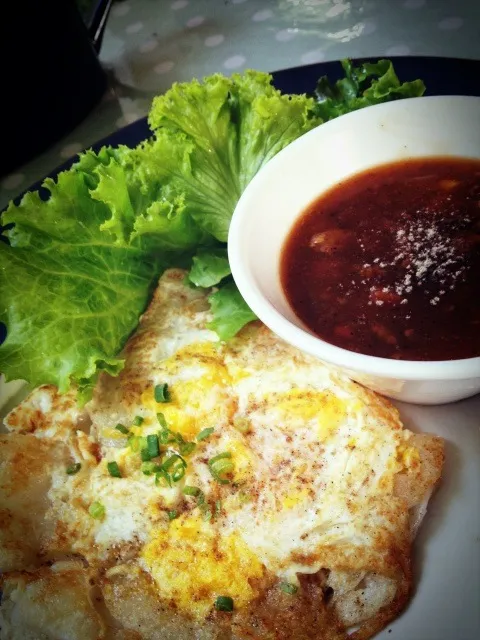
(286, 79)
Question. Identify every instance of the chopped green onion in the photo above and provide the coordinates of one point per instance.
(172, 515)
(137, 443)
(113, 469)
(242, 424)
(145, 455)
(288, 587)
(202, 504)
(206, 512)
(220, 470)
(153, 446)
(164, 436)
(148, 468)
(177, 437)
(220, 456)
(161, 393)
(186, 448)
(122, 429)
(134, 443)
(178, 473)
(161, 420)
(73, 469)
(176, 465)
(171, 460)
(224, 603)
(96, 510)
(137, 421)
(204, 507)
(162, 478)
(220, 465)
(191, 491)
(204, 433)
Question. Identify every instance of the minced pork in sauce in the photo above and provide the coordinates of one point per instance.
(387, 263)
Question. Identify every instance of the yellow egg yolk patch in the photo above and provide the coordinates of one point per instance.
(408, 457)
(198, 389)
(193, 564)
(291, 500)
(326, 408)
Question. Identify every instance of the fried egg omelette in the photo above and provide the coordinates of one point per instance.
(211, 490)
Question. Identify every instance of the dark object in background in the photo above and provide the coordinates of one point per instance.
(95, 14)
(52, 77)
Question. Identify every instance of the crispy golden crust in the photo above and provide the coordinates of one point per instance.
(415, 484)
(342, 586)
(47, 413)
(25, 476)
(133, 604)
(53, 602)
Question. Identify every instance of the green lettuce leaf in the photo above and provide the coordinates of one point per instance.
(230, 311)
(88, 258)
(77, 271)
(210, 266)
(211, 138)
(69, 294)
(139, 211)
(365, 85)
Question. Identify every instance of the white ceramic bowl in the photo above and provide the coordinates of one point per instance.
(282, 190)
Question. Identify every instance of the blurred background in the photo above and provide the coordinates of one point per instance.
(146, 45)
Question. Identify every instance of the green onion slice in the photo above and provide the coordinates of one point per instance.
(172, 515)
(186, 448)
(153, 445)
(162, 478)
(137, 443)
(96, 510)
(173, 459)
(203, 506)
(191, 491)
(161, 393)
(221, 465)
(137, 421)
(145, 455)
(164, 436)
(134, 443)
(204, 433)
(224, 603)
(220, 456)
(72, 469)
(242, 424)
(114, 469)
(178, 473)
(148, 468)
(161, 420)
(288, 587)
(206, 512)
(122, 429)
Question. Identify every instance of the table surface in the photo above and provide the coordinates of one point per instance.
(149, 44)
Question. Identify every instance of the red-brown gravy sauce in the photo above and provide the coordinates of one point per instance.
(387, 263)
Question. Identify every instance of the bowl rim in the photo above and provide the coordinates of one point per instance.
(303, 338)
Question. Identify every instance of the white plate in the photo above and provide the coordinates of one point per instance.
(446, 604)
